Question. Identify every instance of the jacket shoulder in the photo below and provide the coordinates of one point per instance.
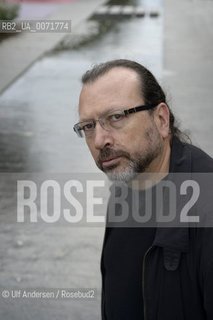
(186, 157)
(200, 160)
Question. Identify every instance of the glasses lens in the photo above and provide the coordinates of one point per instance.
(115, 120)
(85, 128)
(88, 128)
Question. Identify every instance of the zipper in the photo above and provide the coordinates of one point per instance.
(143, 280)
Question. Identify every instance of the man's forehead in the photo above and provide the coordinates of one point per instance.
(116, 88)
(116, 75)
(113, 80)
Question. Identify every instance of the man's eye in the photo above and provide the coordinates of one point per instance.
(116, 117)
(87, 127)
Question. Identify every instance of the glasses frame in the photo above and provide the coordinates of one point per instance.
(126, 112)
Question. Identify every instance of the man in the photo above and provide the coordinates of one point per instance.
(148, 273)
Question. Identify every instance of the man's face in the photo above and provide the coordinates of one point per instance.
(135, 147)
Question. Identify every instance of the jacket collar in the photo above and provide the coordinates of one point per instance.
(180, 160)
(176, 238)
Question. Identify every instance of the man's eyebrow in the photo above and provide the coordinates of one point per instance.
(85, 119)
(113, 109)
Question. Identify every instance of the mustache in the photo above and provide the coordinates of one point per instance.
(108, 153)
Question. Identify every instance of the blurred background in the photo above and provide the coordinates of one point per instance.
(39, 87)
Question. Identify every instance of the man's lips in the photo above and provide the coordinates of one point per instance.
(109, 158)
(112, 161)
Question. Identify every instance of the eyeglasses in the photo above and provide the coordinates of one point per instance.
(111, 120)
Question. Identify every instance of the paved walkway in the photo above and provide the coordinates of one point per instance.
(18, 53)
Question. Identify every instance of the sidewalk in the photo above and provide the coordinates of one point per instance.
(18, 53)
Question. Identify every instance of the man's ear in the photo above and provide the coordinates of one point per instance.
(161, 118)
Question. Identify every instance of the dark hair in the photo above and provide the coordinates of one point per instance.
(150, 88)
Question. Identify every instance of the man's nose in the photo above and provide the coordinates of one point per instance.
(102, 137)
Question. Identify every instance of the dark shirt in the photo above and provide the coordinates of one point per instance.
(123, 263)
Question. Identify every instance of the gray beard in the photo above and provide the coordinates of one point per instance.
(124, 176)
(136, 166)
(139, 163)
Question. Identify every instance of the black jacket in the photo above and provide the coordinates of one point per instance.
(178, 267)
